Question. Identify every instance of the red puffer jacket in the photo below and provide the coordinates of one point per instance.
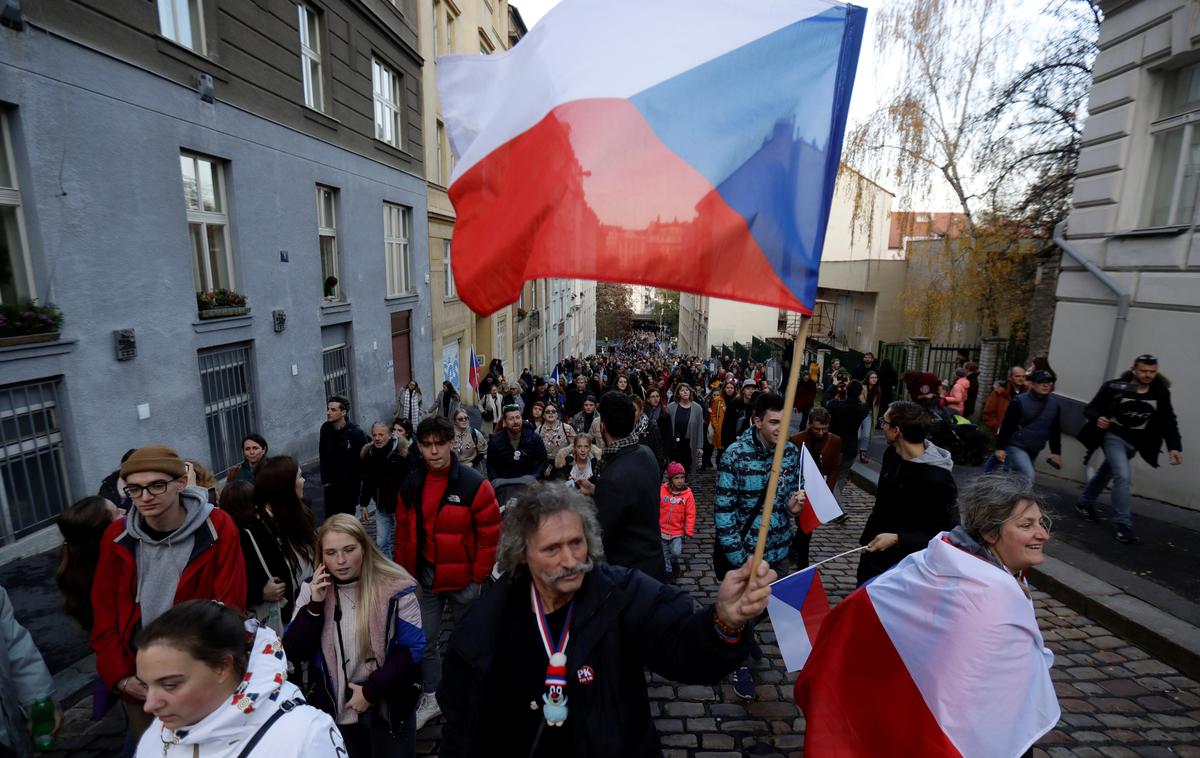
(465, 531)
(215, 571)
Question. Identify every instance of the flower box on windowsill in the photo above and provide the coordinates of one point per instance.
(28, 339)
(224, 311)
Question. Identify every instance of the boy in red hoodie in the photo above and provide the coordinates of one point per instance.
(676, 514)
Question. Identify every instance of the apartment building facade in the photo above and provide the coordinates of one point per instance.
(157, 156)
(1130, 277)
(470, 27)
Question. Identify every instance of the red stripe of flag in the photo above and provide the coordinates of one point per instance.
(857, 695)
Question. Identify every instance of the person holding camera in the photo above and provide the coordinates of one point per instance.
(358, 626)
(1128, 416)
(847, 412)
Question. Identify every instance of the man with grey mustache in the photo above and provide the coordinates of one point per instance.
(552, 660)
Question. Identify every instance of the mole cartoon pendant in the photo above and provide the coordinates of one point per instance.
(555, 708)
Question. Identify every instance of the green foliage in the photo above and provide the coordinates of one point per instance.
(614, 314)
(666, 309)
(27, 317)
(219, 298)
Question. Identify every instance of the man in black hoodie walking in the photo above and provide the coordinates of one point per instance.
(1128, 416)
(341, 462)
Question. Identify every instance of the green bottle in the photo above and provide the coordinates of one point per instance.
(41, 718)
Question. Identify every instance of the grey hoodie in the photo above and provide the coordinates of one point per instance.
(160, 563)
(935, 456)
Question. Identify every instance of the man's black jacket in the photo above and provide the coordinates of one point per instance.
(623, 623)
(627, 491)
(1162, 425)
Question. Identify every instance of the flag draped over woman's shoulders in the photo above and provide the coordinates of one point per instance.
(940, 656)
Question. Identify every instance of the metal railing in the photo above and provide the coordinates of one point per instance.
(942, 360)
(335, 364)
(227, 381)
(33, 481)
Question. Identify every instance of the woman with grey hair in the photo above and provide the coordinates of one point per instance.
(955, 621)
(1003, 523)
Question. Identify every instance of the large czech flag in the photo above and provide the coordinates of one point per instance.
(940, 656)
(685, 144)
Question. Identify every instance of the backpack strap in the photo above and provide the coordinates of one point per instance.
(284, 709)
(262, 561)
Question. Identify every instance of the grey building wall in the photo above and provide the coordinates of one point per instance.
(97, 146)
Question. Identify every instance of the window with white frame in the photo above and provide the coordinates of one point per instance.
(386, 89)
(501, 338)
(182, 21)
(1175, 160)
(331, 276)
(437, 29)
(440, 139)
(310, 56)
(16, 282)
(208, 222)
(451, 290)
(397, 224)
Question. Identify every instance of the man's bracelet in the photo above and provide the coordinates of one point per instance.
(727, 633)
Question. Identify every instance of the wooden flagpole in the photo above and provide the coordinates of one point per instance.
(789, 399)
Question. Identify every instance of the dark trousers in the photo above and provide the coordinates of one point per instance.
(341, 498)
(799, 549)
(371, 736)
(706, 461)
(682, 453)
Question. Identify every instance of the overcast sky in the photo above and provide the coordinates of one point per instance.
(863, 99)
(869, 82)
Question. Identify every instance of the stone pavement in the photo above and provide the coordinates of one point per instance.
(1116, 700)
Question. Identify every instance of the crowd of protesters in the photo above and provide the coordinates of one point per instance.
(569, 488)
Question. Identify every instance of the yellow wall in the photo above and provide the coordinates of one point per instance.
(477, 25)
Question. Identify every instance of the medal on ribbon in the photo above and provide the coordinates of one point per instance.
(554, 709)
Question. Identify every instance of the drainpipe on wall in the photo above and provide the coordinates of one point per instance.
(1118, 332)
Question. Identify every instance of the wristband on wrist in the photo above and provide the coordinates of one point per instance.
(725, 632)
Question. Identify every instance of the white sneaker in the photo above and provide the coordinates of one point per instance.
(428, 709)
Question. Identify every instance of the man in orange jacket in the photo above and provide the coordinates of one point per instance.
(172, 546)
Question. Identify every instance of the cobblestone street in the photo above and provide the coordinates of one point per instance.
(1116, 700)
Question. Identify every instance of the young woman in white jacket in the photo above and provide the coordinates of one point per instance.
(213, 696)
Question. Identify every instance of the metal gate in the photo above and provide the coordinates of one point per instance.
(33, 481)
(335, 362)
(226, 379)
(942, 360)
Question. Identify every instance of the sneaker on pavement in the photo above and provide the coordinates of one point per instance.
(1125, 535)
(428, 709)
(1087, 510)
(743, 683)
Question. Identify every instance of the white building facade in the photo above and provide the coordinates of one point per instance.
(1130, 280)
(857, 274)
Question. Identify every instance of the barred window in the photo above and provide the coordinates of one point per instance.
(227, 384)
(33, 481)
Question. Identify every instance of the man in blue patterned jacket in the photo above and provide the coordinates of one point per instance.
(741, 489)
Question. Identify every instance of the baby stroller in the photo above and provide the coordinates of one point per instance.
(966, 442)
